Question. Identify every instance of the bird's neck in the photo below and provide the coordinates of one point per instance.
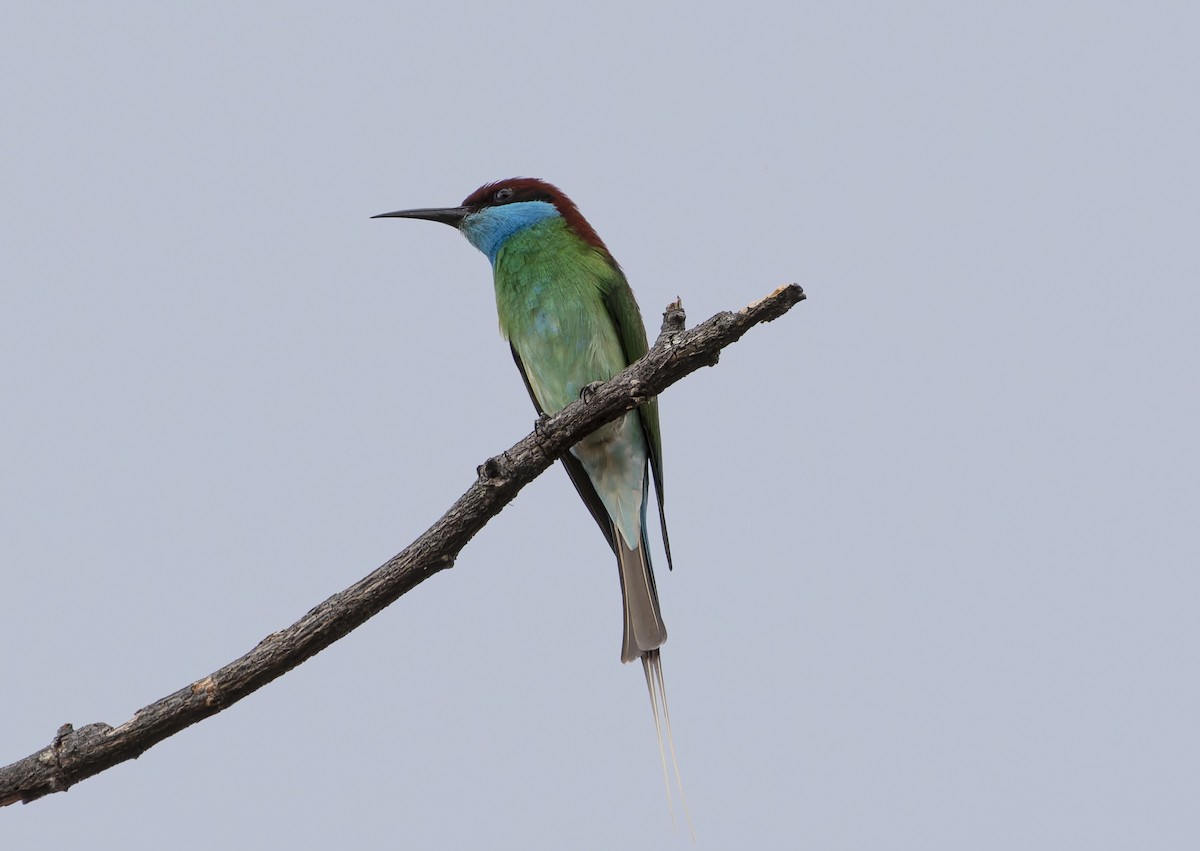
(490, 228)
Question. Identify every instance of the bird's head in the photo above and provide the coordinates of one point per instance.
(495, 211)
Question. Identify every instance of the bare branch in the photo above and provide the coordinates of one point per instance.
(75, 755)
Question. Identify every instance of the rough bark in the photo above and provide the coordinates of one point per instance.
(76, 754)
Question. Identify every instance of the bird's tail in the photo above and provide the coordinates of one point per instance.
(644, 627)
(645, 632)
(656, 685)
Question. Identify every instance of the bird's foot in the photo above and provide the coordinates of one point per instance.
(589, 390)
(539, 426)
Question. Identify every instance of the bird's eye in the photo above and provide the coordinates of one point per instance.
(502, 195)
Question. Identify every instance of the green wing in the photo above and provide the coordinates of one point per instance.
(623, 309)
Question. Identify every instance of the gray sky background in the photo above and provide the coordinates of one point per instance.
(935, 532)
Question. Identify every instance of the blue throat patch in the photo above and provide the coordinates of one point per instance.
(491, 227)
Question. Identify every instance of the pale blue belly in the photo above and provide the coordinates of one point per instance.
(558, 367)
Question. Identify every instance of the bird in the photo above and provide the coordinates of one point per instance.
(570, 318)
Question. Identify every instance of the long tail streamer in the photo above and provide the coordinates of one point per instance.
(657, 686)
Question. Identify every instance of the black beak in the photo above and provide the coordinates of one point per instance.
(446, 215)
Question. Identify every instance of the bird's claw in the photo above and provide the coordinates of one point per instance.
(589, 390)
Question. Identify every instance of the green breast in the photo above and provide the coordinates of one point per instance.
(549, 297)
